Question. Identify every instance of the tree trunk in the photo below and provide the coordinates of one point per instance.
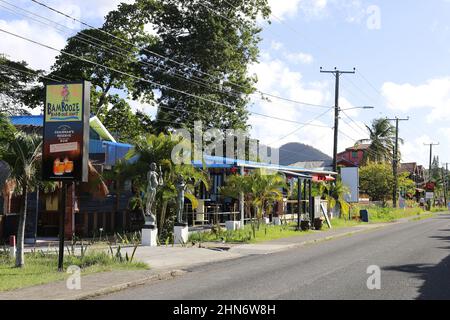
(163, 214)
(20, 257)
(117, 215)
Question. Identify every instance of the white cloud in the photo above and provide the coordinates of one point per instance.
(18, 49)
(414, 150)
(275, 77)
(434, 95)
(144, 107)
(39, 57)
(283, 9)
(275, 45)
(299, 58)
(87, 10)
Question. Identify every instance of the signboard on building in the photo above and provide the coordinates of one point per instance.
(350, 178)
(430, 186)
(66, 132)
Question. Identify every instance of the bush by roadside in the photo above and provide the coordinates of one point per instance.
(41, 267)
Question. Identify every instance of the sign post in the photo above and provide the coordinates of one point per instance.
(66, 141)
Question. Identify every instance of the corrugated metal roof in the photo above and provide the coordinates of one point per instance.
(213, 161)
(38, 121)
(35, 121)
(115, 151)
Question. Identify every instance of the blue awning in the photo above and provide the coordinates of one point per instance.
(115, 151)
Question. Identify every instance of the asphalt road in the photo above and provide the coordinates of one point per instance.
(414, 259)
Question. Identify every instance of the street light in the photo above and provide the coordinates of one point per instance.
(363, 107)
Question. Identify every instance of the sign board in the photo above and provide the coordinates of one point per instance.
(66, 132)
(350, 178)
(429, 195)
(325, 214)
(402, 202)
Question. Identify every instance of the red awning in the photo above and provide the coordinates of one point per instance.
(317, 178)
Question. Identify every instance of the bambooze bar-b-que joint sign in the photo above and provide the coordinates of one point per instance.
(66, 132)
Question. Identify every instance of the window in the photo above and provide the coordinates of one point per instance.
(355, 154)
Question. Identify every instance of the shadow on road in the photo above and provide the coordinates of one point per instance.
(436, 278)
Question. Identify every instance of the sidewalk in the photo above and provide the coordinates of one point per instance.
(170, 262)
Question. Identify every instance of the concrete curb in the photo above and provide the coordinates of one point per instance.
(168, 275)
(175, 273)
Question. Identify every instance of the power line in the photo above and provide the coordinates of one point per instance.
(357, 124)
(166, 68)
(149, 81)
(171, 122)
(30, 73)
(350, 125)
(302, 127)
(176, 62)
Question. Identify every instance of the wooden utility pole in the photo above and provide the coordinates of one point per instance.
(396, 160)
(444, 185)
(337, 74)
(431, 145)
(444, 177)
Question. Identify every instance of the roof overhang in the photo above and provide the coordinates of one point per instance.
(211, 161)
(98, 127)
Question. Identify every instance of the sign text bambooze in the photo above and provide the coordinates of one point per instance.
(66, 132)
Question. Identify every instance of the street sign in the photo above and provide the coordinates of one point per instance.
(350, 178)
(402, 203)
(66, 132)
(429, 195)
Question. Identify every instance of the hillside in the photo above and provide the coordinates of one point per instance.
(298, 152)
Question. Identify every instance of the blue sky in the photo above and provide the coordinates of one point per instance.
(401, 47)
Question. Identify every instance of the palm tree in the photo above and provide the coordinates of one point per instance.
(261, 189)
(335, 194)
(22, 155)
(237, 185)
(267, 188)
(158, 149)
(120, 173)
(168, 193)
(382, 141)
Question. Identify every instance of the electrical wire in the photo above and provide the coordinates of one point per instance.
(176, 62)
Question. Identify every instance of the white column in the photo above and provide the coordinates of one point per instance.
(181, 234)
(241, 203)
(149, 237)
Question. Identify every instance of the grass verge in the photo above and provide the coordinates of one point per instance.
(41, 268)
(252, 234)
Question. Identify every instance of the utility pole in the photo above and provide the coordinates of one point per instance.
(431, 145)
(395, 160)
(337, 74)
(445, 184)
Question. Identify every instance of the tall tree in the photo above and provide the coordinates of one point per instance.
(381, 140)
(22, 155)
(377, 181)
(18, 86)
(7, 131)
(436, 174)
(158, 149)
(116, 46)
(211, 43)
(123, 123)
